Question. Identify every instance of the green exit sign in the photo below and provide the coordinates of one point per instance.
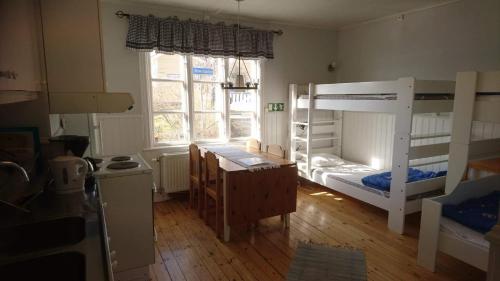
(275, 106)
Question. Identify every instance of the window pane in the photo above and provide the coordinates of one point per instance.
(167, 66)
(207, 96)
(243, 101)
(208, 69)
(241, 126)
(167, 95)
(168, 127)
(252, 67)
(207, 125)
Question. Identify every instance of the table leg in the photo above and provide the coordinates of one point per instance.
(286, 221)
(227, 230)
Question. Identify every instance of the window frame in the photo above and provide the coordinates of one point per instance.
(184, 107)
(188, 102)
(192, 112)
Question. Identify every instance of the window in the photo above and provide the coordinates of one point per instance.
(168, 98)
(208, 101)
(186, 102)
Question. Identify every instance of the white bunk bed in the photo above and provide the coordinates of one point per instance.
(403, 98)
(477, 98)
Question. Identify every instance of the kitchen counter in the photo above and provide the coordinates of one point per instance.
(49, 206)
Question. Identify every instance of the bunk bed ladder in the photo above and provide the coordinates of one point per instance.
(294, 147)
(302, 142)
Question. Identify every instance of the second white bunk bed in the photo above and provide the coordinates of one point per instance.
(403, 98)
(477, 99)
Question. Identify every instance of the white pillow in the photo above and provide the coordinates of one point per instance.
(325, 160)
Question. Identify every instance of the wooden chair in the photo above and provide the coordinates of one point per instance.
(196, 181)
(276, 150)
(214, 192)
(254, 144)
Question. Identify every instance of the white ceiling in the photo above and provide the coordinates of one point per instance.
(318, 13)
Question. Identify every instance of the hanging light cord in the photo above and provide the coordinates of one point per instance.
(238, 40)
(238, 54)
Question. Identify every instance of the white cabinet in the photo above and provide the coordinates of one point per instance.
(20, 69)
(72, 42)
(73, 53)
(128, 212)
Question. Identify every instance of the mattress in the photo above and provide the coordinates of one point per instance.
(350, 173)
(463, 233)
(380, 97)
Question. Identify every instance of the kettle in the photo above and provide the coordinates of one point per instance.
(69, 173)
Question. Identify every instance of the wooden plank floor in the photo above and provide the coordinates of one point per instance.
(188, 250)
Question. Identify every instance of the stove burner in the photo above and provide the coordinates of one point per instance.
(121, 158)
(123, 165)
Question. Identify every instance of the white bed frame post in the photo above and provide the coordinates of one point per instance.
(401, 148)
(463, 114)
(429, 234)
(293, 89)
(310, 117)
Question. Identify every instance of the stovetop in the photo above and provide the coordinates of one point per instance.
(122, 166)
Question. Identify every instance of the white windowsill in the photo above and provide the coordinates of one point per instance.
(236, 141)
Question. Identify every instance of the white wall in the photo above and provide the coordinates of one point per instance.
(301, 55)
(430, 44)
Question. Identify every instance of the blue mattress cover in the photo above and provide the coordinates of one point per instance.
(382, 181)
(480, 214)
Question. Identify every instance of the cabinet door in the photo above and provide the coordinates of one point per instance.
(19, 48)
(72, 41)
(129, 219)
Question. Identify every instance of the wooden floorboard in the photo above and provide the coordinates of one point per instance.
(187, 248)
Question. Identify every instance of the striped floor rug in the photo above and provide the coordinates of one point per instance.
(318, 263)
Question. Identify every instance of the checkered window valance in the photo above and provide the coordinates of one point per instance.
(171, 35)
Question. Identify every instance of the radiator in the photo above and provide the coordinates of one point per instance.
(174, 172)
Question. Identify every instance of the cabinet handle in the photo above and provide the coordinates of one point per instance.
(104, 204)
(114, 264)
(112, 254)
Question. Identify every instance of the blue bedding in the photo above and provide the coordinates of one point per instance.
(383, 181)
(480, 214)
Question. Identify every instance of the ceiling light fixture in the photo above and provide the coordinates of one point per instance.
(240, 83)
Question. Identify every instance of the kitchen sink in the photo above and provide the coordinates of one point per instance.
(42, 235)
(68, 266)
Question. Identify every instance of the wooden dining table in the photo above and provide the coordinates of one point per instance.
(253, 195)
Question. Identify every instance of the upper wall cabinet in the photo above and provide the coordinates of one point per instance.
(72, 40)
(20, 68)
(73, 53)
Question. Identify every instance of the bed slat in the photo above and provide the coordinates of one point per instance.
(429, 150)
(432, 106)
(423, 186)
(358, 88)
(383, 106)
